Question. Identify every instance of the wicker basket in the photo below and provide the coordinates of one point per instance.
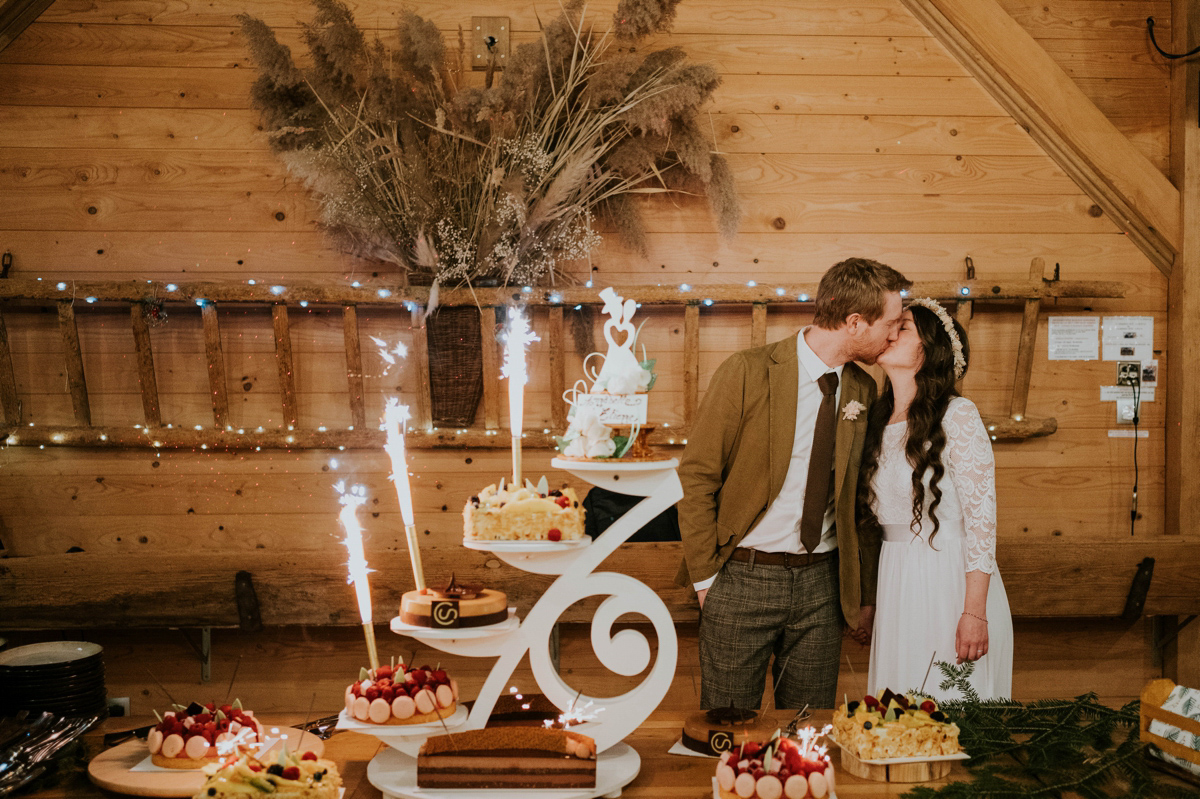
(455, 365)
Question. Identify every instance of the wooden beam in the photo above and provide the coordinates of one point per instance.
(10, 405)
(235, 439)
(215, 360)
(354, 367)
(558, 366)
(145, 361)
(1038, 94)
(423, 418)
(286, 364)
(1183, 289)
(490, 350)
(758, 324)
(1025, 346)
(309, 586)
(341, 294)
(16, 16)
(74, 360)
(691, 364)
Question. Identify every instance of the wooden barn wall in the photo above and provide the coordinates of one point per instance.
(127, 150)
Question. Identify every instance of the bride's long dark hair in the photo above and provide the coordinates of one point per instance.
(926, 438)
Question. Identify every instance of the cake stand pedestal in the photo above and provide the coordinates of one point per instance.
(626, 652)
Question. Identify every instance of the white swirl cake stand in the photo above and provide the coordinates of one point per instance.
(627, 652)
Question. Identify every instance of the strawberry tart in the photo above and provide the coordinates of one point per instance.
(782, 767)
(399, 695)
(194, 736)
(291, 776)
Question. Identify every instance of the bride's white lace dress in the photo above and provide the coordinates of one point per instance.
(922, 584)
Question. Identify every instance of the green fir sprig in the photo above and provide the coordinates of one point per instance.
(1048, 748)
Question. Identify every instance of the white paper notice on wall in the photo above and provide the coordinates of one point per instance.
(1073, 338)
(1128, 338)
(616, 409)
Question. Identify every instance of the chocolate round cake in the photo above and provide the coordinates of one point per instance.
(712, 732)
(452, 606)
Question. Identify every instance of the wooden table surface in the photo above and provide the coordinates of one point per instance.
(662, 775)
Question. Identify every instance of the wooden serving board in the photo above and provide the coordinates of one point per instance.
(111, 769)
(924, 771)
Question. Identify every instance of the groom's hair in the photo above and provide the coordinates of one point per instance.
(856, 285)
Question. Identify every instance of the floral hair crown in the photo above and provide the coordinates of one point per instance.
(960, 362)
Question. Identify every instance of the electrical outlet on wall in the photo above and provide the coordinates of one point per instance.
(118, 706)
(1126, 408)
(1129, 373)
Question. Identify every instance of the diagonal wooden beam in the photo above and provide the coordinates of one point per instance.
(1043, 99)
(17, 15)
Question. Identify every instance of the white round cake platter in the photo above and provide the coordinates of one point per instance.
(395, 774)
(527, 546)
(457, 633)
(539, 557)
(403, 734)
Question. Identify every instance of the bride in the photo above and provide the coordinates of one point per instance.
(928, 480)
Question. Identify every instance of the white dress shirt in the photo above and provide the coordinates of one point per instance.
(779, 528)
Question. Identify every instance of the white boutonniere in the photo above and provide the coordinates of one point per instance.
(852, 409)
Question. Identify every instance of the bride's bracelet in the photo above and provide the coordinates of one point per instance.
(973, 616)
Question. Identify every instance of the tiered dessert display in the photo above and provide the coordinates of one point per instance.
(539, 530)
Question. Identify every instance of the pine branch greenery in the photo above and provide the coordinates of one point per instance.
(456, 182)
(1050, 748)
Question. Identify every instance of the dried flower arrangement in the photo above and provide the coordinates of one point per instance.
(455, 183)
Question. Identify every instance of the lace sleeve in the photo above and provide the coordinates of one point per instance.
(972, 467)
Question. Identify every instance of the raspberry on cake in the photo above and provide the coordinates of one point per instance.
(891, 725)
(455, 605)
(399, 695)
(193, 736)
(782, 767)
(504, 512)
(291, 776)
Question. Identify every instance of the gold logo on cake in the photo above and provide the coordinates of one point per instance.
(720, 741)
(444, 614)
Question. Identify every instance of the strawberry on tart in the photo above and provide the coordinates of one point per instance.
(194, 736)
(399, 695)
(782, 767)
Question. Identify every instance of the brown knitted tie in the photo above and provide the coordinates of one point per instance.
(820, 465)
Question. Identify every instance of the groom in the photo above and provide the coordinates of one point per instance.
(769, 480)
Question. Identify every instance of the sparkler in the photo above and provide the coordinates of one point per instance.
(351, 500)
(395, 419)
(517, 337)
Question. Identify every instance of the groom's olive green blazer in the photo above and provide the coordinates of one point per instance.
(738, 454)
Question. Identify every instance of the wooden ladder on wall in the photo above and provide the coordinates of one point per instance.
(208, 297)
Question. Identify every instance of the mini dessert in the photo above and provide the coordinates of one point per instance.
(895, 725)
(780, 767)
(533, 513)
(523, 710)
(194, 736)
(400, 695)
(607, 420)
(291, 776)
(508, 757)
(454, 605)
(712, 732)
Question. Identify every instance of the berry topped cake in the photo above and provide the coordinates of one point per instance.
(782, 767)
(893, 725)
(291, 776)
(399, 695)
(194, 736)
(607, 419)
(504, 512)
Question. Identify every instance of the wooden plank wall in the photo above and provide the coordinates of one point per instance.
(127, 150)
